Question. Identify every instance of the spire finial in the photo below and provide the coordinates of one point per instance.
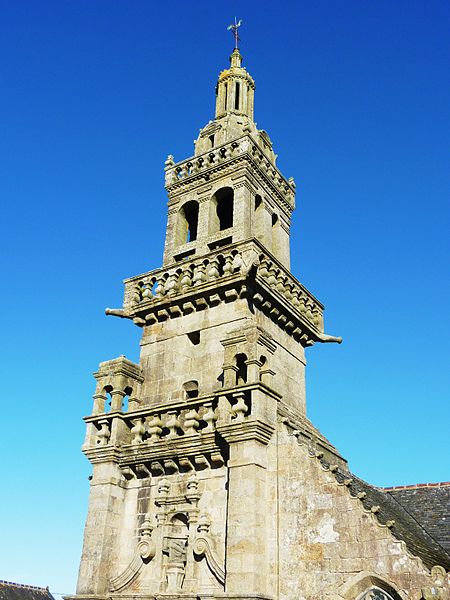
(234, 27)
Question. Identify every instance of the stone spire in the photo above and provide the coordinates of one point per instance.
(235, 89)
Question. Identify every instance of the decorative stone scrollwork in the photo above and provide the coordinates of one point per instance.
(143, 554)
(204, 548)
(146, 546)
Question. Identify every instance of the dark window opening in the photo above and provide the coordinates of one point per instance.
(188, 222)
(274, 219)
(220, 243)
(224, 208)
(191, 389)
(241, 373)
(236, 97)
(194, 337)
(184, 255)
(258, 202)
(211, 139)
(226, 96)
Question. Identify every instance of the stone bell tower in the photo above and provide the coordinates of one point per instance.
(185, 494)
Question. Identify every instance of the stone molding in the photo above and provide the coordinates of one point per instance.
(242, 149)
(180, 437)
(243, 270)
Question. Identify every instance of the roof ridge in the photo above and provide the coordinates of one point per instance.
(415, 486)
(24, 585)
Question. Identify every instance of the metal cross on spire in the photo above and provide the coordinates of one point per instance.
(234, 27)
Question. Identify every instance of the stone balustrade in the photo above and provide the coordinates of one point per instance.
(151, 425)
(181, 278)
(176, 172)
(281, 281)
(218, 267)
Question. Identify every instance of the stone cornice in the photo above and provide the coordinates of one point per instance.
(244, 150)
(241, 270)
(252, 429)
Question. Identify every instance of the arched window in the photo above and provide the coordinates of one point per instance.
(187, 223)
(259, 218)
(221, 217)
(275, 234)
(375, 593)
(368, 586)
(237, 95)
(241, 373)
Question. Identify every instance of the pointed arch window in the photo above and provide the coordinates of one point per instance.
(375, 593)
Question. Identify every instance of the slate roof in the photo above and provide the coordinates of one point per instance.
(17, 591)
(403, 524)
(429, 504)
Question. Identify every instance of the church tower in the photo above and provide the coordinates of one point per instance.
(183, 445)
(195, 450)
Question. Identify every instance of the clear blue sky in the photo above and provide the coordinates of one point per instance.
(95, 94)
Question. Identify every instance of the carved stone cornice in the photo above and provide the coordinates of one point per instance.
(120, 366)
(101, 454)
(250, 429)
(244, 150)
(242, 270)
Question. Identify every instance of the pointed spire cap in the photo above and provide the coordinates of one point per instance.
(236, 58)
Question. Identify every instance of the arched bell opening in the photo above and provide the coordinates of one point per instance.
(241, 372)
(222, 206)
(187, 223)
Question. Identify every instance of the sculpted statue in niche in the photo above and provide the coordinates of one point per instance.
(175, 550)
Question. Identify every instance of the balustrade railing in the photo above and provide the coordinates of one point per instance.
(152, 425)
(285, 284)
(176, 172)
(180, 279)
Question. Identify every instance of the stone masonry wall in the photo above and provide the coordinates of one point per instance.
(327, 539)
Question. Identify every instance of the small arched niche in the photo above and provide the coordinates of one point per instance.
(222, 204)
(187, 223)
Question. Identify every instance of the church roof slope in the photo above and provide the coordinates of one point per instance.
(18, 591)
(403, 525)
(429, 504)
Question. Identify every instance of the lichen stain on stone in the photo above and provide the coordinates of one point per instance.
(324, 532)
(313, 552)
(399, 564)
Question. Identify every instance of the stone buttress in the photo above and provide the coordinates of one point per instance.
(195, 449)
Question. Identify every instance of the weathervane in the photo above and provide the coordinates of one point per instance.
(234, 27)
